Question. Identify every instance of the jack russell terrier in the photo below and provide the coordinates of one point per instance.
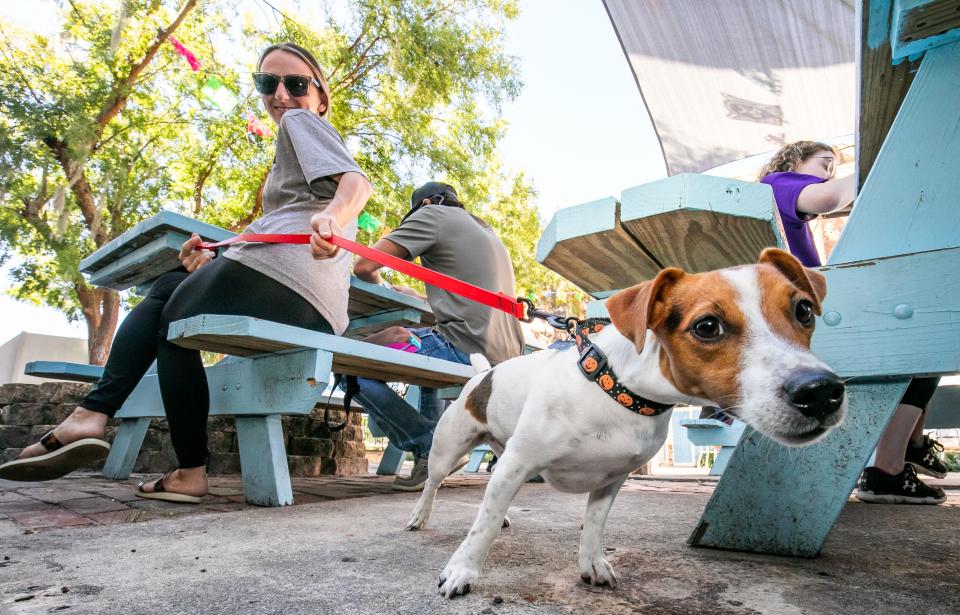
(738, 338)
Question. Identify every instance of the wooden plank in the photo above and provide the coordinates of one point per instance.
(587, 245)
(144, 232)
(919, 25)
(711, 432)
(774, 499)
(367, 325)
(895, 315)
(909, 201)
(125, 448)
(143, 264)
(882, 86)
(700, 222)
(244, 336)
(366, 299)
(263, 461)
(288, 383)
(60, 370)
(391, 461)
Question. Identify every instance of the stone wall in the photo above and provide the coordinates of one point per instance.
(27, 411)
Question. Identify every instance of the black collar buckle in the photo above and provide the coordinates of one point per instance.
(591, 362)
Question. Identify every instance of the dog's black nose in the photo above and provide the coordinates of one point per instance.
(815, 393)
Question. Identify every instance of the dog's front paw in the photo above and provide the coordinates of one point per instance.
(418, 519)
(598, 572)
(456, 580)
(416, 522)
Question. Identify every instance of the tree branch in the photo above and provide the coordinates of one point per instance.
(121, 90)
(359, 68)
(77, 180)
(353, 46)
(257, 207)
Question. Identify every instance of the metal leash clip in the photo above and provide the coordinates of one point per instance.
(557, 321)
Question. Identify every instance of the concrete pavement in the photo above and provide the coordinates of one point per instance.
(349, 556)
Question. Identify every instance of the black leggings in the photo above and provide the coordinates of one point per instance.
(920, 391)
(221, 287)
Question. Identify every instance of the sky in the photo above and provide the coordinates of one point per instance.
(578, 130)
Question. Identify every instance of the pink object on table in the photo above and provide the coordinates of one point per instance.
(411, 345)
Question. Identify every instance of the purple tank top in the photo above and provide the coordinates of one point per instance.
(786, 190)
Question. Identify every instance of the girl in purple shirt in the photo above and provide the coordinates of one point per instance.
(802, 177)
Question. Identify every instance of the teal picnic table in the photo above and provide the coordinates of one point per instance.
(891, 311)
(150, 248)
(272, 369)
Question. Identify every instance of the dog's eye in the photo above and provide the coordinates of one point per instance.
(804, 312)
(707, 328)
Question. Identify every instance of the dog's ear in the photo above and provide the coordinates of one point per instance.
(641, 307)
(808, 280)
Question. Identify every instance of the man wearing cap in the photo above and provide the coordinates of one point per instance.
(452, 241)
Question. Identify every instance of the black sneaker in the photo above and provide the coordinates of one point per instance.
(926, 459)
(878, 487)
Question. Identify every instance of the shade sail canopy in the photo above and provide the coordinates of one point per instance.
(725, 79)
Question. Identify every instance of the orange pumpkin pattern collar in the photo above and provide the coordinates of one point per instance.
(593, 364)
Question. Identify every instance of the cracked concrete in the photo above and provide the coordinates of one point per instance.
(349, 556)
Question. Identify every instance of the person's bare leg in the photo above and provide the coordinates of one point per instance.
(81, 423)
(892, 447)
(188, 481)
(916, 438)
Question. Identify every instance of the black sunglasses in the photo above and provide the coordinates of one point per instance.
(296, 85)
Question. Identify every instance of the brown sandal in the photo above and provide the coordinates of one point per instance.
(59, 460)
(160, 493)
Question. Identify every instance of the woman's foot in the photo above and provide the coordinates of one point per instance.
(180, 485)
(81, 423)
(75, 443)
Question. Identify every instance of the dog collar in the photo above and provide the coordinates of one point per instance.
(593, 364)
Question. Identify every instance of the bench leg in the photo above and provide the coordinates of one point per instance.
(393, 457)
(125, 448)
(263, 461)
(723, 458)
(476, 458)
(392, 461)
(774, 499)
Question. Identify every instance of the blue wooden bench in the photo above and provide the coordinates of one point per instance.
(273, 369)
(893, 277)
(476, 458)
(61, 370)
(711, 432)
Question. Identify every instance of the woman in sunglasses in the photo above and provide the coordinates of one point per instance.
(313, 185)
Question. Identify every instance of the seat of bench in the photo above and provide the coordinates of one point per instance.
(247, 337)
(60, 370)
(711, 432)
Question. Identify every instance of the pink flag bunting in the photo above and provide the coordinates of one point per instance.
(256, 127)
(186, 53)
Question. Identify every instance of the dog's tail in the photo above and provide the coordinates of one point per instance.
(479, 362)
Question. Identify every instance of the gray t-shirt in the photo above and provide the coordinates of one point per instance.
(451, 241)
(308, 149)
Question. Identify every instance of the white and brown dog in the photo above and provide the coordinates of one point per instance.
(738, 338)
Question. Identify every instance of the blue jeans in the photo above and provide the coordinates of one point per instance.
(406, 428)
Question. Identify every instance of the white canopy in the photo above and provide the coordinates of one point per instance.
(725, 79)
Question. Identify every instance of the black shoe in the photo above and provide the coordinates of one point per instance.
(926, 458)
(878, 487)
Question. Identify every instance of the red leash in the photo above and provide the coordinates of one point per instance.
(500, 301)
